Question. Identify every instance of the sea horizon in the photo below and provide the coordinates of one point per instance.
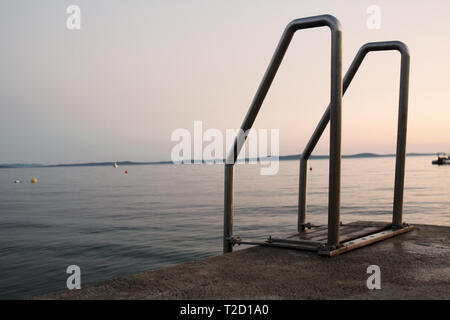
(217, 161)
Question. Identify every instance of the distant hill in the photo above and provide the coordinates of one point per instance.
(358, 155)
(134, 163)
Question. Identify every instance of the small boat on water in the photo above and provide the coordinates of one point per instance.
(442, 159)
(116, 165)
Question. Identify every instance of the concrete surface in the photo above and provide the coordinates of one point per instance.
(415, 265)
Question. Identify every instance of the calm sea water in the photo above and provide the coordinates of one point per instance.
(112, 224)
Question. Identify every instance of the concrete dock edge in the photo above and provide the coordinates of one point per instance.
(415, 265)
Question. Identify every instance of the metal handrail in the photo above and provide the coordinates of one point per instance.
(335, 123)
(401, 131)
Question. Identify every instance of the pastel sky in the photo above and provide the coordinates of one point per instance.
(138, 70)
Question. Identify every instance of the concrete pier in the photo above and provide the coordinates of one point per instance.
(415, 265)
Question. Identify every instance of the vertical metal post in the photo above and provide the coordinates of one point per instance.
(335, 139)
(302, 194)
(228, 206)
(401, 141)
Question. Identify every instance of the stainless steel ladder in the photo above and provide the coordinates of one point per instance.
(333, 114)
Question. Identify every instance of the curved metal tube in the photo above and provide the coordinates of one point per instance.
(335, 116)
(401, 133)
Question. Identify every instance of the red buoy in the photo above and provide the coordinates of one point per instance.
(126, 171)
(310, 168)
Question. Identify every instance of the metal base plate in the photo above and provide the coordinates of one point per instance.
(353, 236)
(364, 241)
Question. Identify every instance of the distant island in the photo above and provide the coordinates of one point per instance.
(133, 163)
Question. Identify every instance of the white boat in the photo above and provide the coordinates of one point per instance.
(442, 159)
(116, 165)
